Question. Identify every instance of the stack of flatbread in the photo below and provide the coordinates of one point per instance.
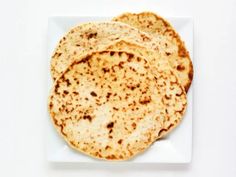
(119, 85)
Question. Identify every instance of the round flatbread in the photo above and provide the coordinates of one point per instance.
(89, 37)
(111, 104)
(170, 44)
(168, 123)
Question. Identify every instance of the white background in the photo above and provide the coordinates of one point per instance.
(23, 97)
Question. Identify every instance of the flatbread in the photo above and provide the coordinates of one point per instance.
(111, 104)
(154, 59)
(170, 45)
(89, 37)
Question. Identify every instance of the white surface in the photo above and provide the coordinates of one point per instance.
(175, 148)
(22, 70)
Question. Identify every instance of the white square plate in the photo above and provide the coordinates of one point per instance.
(175, 148)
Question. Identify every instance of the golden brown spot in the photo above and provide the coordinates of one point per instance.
(92, 35)
(120, 141)
(145, 38)
(93, 94)
(130, 56)
(115, 79)
(134, 70)
(106, 70)
(167, 97)
(168, 53)
(110, 125)
(72, 143)
(107, 147)
(50, 105)
(87, 117)
(121, 64)
(108, 95)
(68, 82)
(65, 92)
(57, 54)
(180, 68)
(76, 93)
(132, 87)
(123, 109)
(98, 154)
(111, 157)
(134, 125)
(56, 88)
(145, 100)
(116, 109)
(179, 94)
(112, 53)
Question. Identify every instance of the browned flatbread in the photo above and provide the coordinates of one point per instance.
(170, 45)
(111, 104)
(89, 37)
